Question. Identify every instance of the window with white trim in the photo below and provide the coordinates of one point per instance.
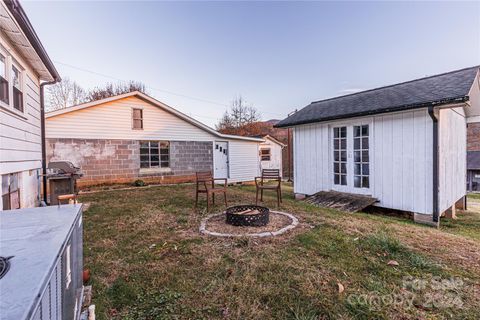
(361, 178)
(3, 79)
(12, 80)
(10, 191)
(154, 154)
(265, 154)
(340, 156)
(137, 119)
(17, 88)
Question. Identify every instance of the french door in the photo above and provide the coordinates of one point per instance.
(351, 158)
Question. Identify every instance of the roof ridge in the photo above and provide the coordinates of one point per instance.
(395, 84)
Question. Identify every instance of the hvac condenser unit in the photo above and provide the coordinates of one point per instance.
(41, 263)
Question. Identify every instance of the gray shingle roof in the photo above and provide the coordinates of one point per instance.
(473, 160)
(434, 90)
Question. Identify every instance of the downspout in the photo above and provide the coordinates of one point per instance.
(43, 137)
(436, 214)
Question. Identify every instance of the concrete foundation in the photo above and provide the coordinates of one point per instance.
(425, 219)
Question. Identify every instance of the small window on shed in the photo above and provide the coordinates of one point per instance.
(265, 154)
(137, 119)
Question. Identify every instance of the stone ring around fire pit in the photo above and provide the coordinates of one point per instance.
(217, 224)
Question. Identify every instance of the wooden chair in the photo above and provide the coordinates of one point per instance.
(205, 183)
(267, 176)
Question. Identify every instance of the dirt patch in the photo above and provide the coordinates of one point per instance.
(279, 223)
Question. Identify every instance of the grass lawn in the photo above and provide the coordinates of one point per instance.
(148, 261)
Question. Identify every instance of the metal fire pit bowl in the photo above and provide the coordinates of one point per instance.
(235, 217)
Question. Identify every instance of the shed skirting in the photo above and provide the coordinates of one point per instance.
(109, 161)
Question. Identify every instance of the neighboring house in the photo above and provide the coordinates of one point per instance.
(271, 153)
(24, 69)
(473, 153)
(403, 144)
(473, 171)
(133, 136)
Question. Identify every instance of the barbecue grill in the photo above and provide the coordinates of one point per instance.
(62, 177)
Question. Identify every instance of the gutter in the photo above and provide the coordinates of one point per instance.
(435, 191)
(44, 139)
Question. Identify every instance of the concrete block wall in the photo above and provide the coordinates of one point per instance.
(188, 157)
(118, 161)
(473, 136)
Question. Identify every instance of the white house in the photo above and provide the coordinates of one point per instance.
(403, 144)
(24, 69)
(133, 136)
(271, 153)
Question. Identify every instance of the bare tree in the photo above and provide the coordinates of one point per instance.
(64, 94)
(111, 89)
(239, 115)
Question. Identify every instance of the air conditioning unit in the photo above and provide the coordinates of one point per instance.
(41, 263)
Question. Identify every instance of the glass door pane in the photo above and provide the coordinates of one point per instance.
(340, 156)
(361, 177)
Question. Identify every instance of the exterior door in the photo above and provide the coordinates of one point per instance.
(220, 159)
(351, 158)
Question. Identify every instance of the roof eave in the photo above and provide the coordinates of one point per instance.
(378, 111)
(20, 16)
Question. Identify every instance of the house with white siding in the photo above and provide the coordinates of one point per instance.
(271, 153)
(25, 69)
(133, 136)
(403, 144)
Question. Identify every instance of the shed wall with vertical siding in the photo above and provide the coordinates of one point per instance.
(401, 159)
(452, 156)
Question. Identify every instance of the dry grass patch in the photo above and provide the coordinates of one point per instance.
(148, 261)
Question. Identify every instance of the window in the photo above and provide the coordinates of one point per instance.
(154, 154)
(11, 82)
(361, 157)
(17, 89)
(137, 115)
(340, 156)
(265, 154)
(3, 80)
(10, 191)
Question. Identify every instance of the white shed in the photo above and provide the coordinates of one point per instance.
(403, 144)
(271, 153)
(133, 136)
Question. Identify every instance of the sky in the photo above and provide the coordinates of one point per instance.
(279, 56)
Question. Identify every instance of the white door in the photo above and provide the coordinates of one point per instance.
(220, 159)
(351, 158)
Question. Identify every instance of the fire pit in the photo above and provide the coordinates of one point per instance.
(247, 215)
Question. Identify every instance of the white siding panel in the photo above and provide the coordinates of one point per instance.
(452, 157)
(311, 158)
(408, 159)
(113, 120)
(398, 159)
(387, 162)
(244, 164)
